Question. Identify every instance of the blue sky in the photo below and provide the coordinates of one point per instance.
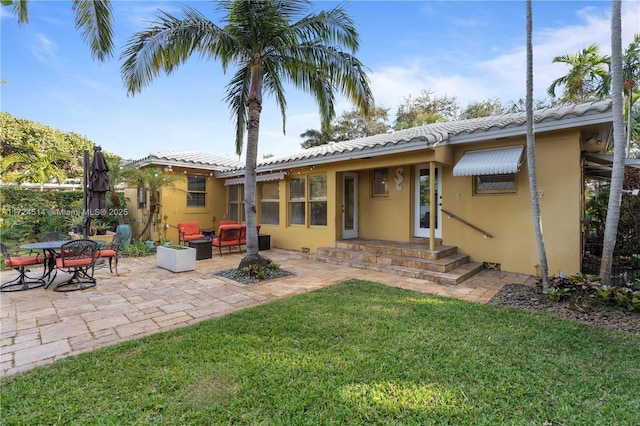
(471, 50)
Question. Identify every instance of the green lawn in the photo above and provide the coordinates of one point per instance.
(356, 353)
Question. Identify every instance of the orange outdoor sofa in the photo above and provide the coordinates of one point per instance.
(231, 235)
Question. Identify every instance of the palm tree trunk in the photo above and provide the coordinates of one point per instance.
(617, 173)
(629, 122)
(253, 127)
(531, 158)
(153, 206)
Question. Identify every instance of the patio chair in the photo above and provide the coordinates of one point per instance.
(110, 251)
(21, 264)
(50, 254)
(77, 257)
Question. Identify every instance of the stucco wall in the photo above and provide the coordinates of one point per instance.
(173, 205)
(508, 217)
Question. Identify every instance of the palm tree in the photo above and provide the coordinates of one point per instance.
(588, 77)
(313, 137)
(631, 76)
(617, 172)
(94, 17)
(34, 166)
(153, 180)
(270, 42)
(115, 177)
(531, 157)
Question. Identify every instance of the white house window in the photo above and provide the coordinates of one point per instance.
(308, 200)
(380, 183)
(197, 190)
(270, 203)
(318, 200)
(142, 198)
(236, 203)
(495, 184)
(297, 201)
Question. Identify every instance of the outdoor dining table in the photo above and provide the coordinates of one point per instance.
(49, 249)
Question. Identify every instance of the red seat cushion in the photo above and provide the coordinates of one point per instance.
(22, 261)
(189, 231)
(79, 261)
(193, 237)
(106, 253)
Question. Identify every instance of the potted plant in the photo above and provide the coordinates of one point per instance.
(176, 258)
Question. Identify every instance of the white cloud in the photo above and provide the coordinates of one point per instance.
(503, 75)
(44, 49)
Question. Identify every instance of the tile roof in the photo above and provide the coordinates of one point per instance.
(414, 139)
(190, 158)
(462, 131)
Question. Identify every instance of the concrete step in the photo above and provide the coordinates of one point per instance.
(409, 258)
(442, 265)
(413, 249)
(454, 276)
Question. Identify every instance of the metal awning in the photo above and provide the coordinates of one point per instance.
(495, 161)
(259, 178)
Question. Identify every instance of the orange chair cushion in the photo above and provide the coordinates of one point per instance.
(80, 261)
(189, 231)
(227, 235)
(193, 237)
(107, 253)
(22, 261)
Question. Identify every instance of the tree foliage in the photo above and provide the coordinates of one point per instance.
(27, 142)
(313, 137)
(588, 77)
(353, 124)
(424, 109)
(486, 108)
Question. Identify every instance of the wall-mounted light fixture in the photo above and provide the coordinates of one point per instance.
(168, 169)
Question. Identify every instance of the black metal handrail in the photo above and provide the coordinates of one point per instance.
(471, 225)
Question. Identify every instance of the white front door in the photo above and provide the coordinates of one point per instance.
(349, 205)
(423, 209)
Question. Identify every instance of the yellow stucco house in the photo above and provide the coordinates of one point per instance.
(461, 184)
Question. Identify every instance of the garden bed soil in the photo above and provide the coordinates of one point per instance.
(530, 298)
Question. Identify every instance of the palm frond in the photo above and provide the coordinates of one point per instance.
(164, 46)
(237, 97)
(95, 19)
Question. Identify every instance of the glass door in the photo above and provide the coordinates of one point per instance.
(423, 207)
(349, 205)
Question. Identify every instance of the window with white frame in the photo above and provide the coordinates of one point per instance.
(494, 184)
(236, 203)
(380, 183)
(197, 191)
(270, 203)
(318, 200)
(308, 200)
(297, 201)
(142, 198)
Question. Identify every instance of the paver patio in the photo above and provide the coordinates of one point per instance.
(40, 326)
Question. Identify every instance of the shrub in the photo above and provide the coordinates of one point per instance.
(588, 288)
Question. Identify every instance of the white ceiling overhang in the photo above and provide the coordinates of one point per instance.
(494, 161)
